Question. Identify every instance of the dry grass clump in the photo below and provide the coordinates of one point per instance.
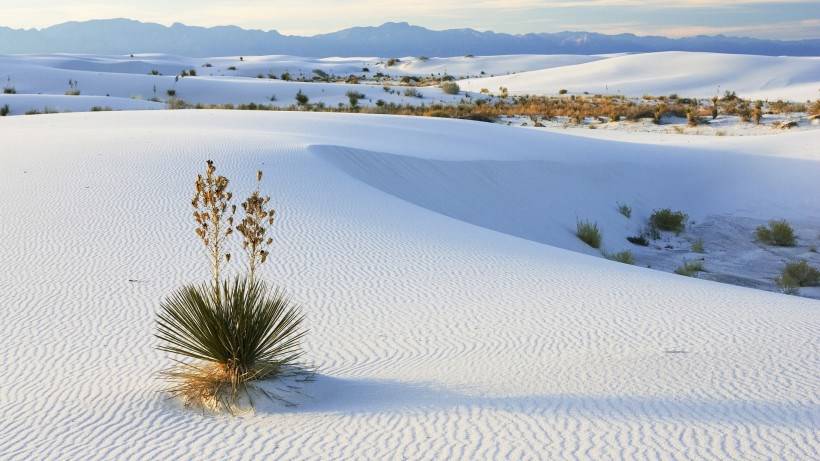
(778, 233)
(625, 210)
(668, 220)
(690, 268)
(698, 246)
(588, 232)
(236, 333)
(796, 275)
(450, 88)
(624, 257)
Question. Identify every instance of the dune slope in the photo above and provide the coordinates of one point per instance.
(437, 334)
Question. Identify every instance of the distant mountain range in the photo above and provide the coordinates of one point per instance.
(123, 36)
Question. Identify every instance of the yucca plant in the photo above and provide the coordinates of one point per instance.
(243, 333)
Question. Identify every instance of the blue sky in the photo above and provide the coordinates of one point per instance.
(788, 19)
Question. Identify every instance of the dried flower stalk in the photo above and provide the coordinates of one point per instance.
(213, 214)
(253, 228)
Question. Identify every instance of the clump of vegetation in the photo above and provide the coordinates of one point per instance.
(757, 112)
(73, 88)
(188, 73)
(639, 240)
(625, 257)
(698, 246)
(354, 97)
(154, 72)
(412, 93)
(668, 220)
(796, 275)
(778, 233)
(690, 268)
(301, 98)
(392, 62)
(692, 117)
(233, 333)
(450, 88)
(588, 232)
(4, 110)
(625, 210)
(233, 68)
(171, 92)
(562, 91)
(101, 109)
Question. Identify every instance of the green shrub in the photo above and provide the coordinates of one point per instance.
(4, 110)
(638, 240)
(301, 98)
(625, 257)
(392, 62)
(668, 220)
(171, 92)
(412, 93)
(625, 210)
(101, 109)
(697, 246)
(796, 275)
(589, 233)
(562, 91)
(9, 90)
(354, 97)
(241, 334)
(450, 88)
(778, 233)
(690, 268)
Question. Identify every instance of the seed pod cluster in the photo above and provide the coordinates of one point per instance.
(253, 227)
(213, 214)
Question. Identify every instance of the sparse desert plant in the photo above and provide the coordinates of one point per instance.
(690, 268)
(354, 97)
(639, 240)
(73, 88)
(171, 92)
(692, 118)
(9, 90)
(154, 72)
(778, 233)
(241, 333)
(450, 88)
(101, 109)
(757, 112)
(797, 275)
(698, 246)
(213, 214)
(668, 220)
(625, 210)
(285, 76)
(253, 228)
(233, 68)
(412, 93)
(392, 62)
(562, 91)
(625, 257)
(4, 110)
(714, 107)
(588, 232)
(176, 103)
(301, 98)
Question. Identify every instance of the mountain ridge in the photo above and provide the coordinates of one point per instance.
(123, 36)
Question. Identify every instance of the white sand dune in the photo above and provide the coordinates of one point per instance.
(685, 73)
(444, 321)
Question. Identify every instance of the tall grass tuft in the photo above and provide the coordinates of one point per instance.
(242, 333)
(796, 275)
(668, 220)
(778, 233)
(589, 233)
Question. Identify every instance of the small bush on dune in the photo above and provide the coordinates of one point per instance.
(796, 275)
(4, 110)
(243, 333)
(73, 88)
(697, 246)
(624, 257)
(625, 210)
(778, 233)
(639, 240)
(690, 268)
(668, 220)
(9, 90)
(354, 97)
(412, 93)
(589, 233)
(101, 109)
(450, 88)
(301, 98)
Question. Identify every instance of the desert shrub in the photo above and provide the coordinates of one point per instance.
(638, 240)
(778, 233)
(796, 275)
(354, 97)
(562, 91)
(171, 92)
(243, 333)
(4, 110)
(698, 246)
(757, 112)
(392, 62)
(154, 72)
(101, 109)
(690, 268)
(73, 88)
(33, 112)
(625, 210)
(207, 64)
(589, 233)
(285, 76)
(321, 75)
(412, 93)
(234, 68)
(625, 257)
(714, 107)
(301, 98)
(176, 103)
(668, 220)
(692, 118)
(450, 87)
(9, 90)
